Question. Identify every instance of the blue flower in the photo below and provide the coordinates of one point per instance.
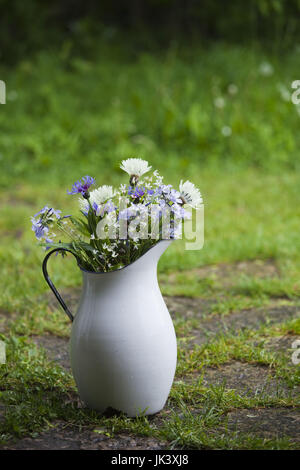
(105, 208)
(39, 229)
(136, 192)
(48, 211)
(174, 196)
(126, 214)
(42, 219)
(179, 212)
(49, 241)
(42, 211)
(82, 186)
(95, 207)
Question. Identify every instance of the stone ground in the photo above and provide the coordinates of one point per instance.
(244, 378)
(64, 437)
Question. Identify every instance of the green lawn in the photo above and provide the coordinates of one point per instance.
(66, 117)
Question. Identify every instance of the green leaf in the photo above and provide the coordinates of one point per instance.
(81, 225)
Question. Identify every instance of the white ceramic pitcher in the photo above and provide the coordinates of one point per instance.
(123, 344)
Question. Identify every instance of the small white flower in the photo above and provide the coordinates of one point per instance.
(158, 178)
(219, 102)
(226, 131)
(266, 69)
(123, 188)
(98, 196)
(232, 89)
(190, 194)
(135, 166)
(148, 179)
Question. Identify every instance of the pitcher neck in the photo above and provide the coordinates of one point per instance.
(147, 262)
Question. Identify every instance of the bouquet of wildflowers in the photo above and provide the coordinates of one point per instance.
(117, 226)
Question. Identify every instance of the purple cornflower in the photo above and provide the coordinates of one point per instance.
(82, 186)
(136, 192)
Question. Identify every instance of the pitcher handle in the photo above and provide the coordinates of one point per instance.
(50, 283)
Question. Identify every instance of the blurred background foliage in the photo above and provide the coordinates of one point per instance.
(201, 89)
(193, 83)
(32, 25)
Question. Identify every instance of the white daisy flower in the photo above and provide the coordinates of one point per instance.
(190, 194)
(98, 196)
(135, 166)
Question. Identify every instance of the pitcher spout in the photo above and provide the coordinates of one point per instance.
(152, 256)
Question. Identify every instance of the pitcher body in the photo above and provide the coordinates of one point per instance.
(123, 345)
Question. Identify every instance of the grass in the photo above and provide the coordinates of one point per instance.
(67, 116)
(37, 392)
